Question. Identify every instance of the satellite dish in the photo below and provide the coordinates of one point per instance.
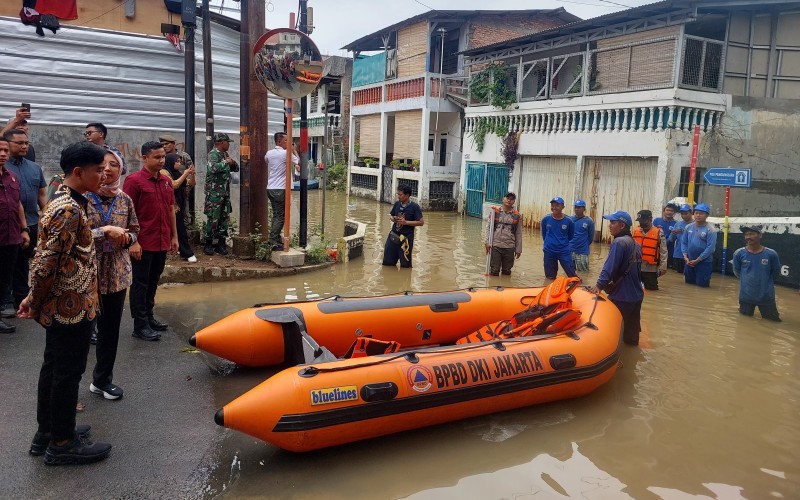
(287, 63)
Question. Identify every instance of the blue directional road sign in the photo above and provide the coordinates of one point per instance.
(733, 177)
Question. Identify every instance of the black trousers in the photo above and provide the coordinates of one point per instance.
(650, 280)
(394, 252)
(8, 257)
(631, 319)
(277, 200)
(184, 248)
(22, 267)
(501, 258)
(65, 352)
(146, 273)
(108, 336)
(678, 263)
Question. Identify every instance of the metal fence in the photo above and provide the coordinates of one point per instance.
(701, 65)
(364, 181)
(441, 190)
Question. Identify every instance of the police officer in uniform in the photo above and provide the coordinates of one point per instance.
(218, 207)
(506, 236)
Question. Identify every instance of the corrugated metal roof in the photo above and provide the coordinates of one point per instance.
(373, 40)
(123, 80)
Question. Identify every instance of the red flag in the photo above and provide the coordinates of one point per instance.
(62, 9)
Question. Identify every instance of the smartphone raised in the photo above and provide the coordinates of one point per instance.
(26, 106)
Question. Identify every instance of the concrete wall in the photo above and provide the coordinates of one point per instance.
(50, 140)
(761, 134)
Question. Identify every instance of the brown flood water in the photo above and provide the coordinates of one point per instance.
(707, 406)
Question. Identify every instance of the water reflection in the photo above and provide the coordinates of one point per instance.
(706, 407)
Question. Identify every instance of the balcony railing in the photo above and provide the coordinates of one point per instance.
(628, 119)
(438, 85)
(642, 65)
(318, 121)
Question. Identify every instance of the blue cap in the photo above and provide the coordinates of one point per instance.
(580, 203)
(702, 207)
(686, 208)
(621, 216)
(557, 199)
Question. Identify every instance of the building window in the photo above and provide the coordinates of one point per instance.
(683, 187)
(364, 181)
(441, 190)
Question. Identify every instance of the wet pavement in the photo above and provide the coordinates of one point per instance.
(706, 407)
(161, 432)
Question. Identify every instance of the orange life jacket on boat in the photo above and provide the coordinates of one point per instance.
(649, 243)
(550, 312)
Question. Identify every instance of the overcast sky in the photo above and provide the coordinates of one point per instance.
(339, 22)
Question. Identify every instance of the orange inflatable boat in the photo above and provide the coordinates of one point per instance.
(266, 335)
(329, 402)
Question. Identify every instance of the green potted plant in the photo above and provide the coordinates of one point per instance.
(415, 165)
(395, 164)
(371, 162)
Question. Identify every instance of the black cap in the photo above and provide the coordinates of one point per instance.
(644, 215)
(756, 228)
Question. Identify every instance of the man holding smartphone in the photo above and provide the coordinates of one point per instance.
(20, 122)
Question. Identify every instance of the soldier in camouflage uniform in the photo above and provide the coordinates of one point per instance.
(218, 207)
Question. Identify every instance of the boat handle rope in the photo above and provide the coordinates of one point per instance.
(412, 355)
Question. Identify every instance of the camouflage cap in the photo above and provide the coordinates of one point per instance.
(221, 137)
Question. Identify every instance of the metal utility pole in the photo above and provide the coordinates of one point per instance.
(252, 126)
(207, 80)
(303, 143)
(188, 19)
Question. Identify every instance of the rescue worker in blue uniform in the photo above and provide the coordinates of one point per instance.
(757, 267)
(621, 275)
(557, 231)
(675, 237)
(698, 244)
(582, 237)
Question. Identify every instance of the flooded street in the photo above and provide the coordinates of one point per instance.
(706, 407)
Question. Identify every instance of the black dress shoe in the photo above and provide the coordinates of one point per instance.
(208, 249)
(157, 325)
(42, 439)
(6, 328)
(146, 333)
(221, 248)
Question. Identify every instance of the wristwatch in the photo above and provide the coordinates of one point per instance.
(25, 230)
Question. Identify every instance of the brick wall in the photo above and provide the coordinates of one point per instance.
(486, 30)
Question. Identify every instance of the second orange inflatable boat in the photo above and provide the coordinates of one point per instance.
(266, 335)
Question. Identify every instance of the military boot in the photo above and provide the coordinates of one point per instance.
(208, 249)
(222, 247)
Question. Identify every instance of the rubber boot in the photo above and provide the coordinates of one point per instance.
(208, 249)
(222, 247)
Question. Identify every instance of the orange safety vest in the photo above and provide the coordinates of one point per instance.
(649, 243)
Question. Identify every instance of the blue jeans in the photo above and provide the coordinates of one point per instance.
(551, 261)
(699, 275)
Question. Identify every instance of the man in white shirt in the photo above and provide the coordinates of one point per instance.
(276, 187)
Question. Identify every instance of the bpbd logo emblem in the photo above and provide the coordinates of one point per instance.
(334, 395)
(419, 378)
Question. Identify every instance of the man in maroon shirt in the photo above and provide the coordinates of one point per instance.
(154, 201)
(13, 228)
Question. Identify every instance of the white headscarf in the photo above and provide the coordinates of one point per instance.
(112, 189)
